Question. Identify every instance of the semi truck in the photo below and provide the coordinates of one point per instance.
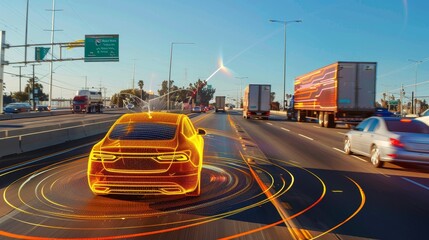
(340, 93)
(87, 101)
(257, 101)
(220, 104)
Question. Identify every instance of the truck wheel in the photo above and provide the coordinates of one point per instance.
(325, 119)
(321, 116)
(331, 121)
(300, 117)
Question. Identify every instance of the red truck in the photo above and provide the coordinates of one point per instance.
(87, 101)
(340, 93)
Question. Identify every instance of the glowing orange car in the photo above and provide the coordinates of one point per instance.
(148, 154)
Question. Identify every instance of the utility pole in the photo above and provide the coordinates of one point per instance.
(20, 75)
(51, 65)
(2, 43)
(26, 42)
(401, 94)
(32, 89)
(134, 74)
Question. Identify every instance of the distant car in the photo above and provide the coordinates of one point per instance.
(425, 113)
(206, 109)
(424, 117)
(130, 106)
(148, 154)
(41, 108)
(196, 109)
(389, 139)
(17, 108)
(383, 112)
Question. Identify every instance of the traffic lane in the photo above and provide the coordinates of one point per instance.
(227, 141)
(331, 136)
(334, 137)
(332, 166)
(55, 201)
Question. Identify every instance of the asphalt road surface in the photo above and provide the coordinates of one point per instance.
(261, 180)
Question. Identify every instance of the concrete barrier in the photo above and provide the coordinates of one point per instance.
(34, 141)
(97, 128)
(9, 145)
(3, 134)
(22, 131)
(74, 133)
(59, 134)
(5, 116)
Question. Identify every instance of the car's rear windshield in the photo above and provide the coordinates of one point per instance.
(143, 131)
(407, 126)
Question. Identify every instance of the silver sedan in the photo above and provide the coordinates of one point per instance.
(389, 139)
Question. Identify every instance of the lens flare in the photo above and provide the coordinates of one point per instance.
(221, 67)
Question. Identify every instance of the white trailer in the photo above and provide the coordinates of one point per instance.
(220, 104)
(257, 101)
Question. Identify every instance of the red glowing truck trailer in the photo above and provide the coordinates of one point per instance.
(340, 93)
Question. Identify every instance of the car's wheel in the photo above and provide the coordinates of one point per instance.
(196, 192)
(347, 146)
(375, 157)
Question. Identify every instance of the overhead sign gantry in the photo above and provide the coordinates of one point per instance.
(98, 48)
(102, 48)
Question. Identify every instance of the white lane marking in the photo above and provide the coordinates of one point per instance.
(269, 123)
(306, 137)
(285, 129)
(363, 160)
(416, 183)
(316, 127)
(341, 133)
(339, 150)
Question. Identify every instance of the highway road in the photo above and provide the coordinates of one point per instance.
(269, 179)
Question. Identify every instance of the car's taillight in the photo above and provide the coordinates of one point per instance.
(396, 143)
(173, 157)
(102, 157)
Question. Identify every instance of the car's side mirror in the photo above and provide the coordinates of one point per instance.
(201, 131)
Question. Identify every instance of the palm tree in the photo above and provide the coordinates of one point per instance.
(141, 84)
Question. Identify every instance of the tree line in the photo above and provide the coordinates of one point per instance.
(197, 93)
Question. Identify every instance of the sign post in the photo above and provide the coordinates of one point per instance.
(102, 48)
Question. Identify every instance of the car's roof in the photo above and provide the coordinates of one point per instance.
(159, 117)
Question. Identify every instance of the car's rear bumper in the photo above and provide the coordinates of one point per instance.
(128, 184)
(408, 157)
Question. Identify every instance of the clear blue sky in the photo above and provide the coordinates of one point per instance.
(237, 31)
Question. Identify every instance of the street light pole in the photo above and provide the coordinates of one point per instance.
(169, 71)
(241, 89)
(284, 60)
(414, 102)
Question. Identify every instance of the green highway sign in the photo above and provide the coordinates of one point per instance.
(40, 53)
(102, 48)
